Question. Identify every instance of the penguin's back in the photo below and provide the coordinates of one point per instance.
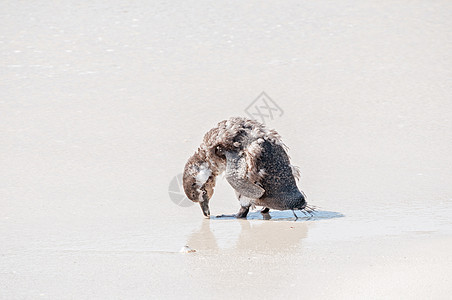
(281, 191)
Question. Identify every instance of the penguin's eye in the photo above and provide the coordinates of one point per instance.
(219, 151)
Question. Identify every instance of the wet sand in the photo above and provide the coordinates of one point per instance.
(101, 104)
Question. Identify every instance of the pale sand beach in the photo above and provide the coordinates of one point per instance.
(102, 103)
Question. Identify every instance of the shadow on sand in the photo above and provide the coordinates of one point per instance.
(287, 215)
(255, 233)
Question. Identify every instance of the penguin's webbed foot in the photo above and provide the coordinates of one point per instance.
(265, 210)
(225, 216)
(243, 212)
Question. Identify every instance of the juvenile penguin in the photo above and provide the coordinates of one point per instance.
(255, 163)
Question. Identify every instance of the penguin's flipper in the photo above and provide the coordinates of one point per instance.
(236, 176)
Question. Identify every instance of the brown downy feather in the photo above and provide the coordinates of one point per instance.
(240, 134)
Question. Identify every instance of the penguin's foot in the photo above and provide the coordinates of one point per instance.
(243, 212)
(265, 213)
(225, 216)
(265, 210)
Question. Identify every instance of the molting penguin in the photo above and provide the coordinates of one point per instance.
(256, 164)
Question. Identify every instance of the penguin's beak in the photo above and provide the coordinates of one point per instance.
(205, 208)
(205, 205)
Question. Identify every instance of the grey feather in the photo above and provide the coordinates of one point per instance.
(236, 170)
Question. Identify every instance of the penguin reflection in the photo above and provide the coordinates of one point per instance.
(255, 236)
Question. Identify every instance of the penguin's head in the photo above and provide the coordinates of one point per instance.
(199, 182)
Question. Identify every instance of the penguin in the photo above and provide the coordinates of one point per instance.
(256, 165)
